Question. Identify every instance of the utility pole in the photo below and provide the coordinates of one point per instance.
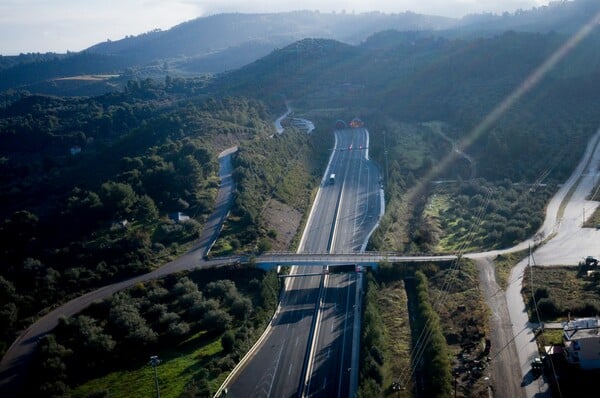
(154, 361)
(455, 384)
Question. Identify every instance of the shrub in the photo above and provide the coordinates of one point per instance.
(228, 341)
(548, 308)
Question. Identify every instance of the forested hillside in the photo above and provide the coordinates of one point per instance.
(224, 42)
(410, 77)
(557, 16)
(223, 31)
(87, 184)
(399, 83)
(205, 45)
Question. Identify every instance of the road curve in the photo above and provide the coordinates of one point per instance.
(13, 366)
(565, 243)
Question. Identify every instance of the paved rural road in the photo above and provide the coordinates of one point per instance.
(570, 242)
(14, 363)
(567, 243)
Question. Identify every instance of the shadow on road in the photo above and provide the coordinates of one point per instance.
(530, 377)
(294, 316)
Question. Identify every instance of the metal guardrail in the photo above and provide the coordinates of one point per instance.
(347, 257)
(362, 254)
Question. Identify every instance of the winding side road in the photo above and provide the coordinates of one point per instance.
(566, 242)
(13, 366)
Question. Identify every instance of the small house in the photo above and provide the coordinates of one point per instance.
(582, 342)
(179, 217)
(75, 150)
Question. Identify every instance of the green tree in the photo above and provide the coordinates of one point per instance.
(84, 205)
(241, 308)
(145, 210)
(127, 319)
(217, 321)
(228, 341)
(92, 336)
(118, 198)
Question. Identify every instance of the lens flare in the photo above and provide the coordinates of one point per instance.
(528, 84)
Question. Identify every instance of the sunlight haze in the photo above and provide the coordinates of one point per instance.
(70, 25)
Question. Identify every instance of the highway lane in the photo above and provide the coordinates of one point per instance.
(277, 367)
(360, 200)
(330, 373)
(358, 212)
(332, 226)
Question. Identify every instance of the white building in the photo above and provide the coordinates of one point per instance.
(582, 342)
(179, 217)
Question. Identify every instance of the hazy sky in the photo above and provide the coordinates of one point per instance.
(61, 25)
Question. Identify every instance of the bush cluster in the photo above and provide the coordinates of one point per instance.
(436, 365)
(70, 223)
(126, 329)
(372, 345)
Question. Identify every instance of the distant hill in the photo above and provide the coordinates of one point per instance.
(204, 45)
(218, 33)
(225, 42)
(35, 71)
(417, 77)
(557, 16)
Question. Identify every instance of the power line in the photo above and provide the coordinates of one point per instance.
(537, 312)
(425, 335)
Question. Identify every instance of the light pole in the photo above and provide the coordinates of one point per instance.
(154, 361)
(396, 386)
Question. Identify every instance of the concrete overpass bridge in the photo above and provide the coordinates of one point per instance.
(370, 259)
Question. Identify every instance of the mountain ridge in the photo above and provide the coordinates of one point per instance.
(224, 42)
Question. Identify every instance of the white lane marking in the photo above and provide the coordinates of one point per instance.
(275, 371)
(290, 370)
(341, 374)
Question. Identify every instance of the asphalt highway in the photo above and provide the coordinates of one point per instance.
(299, 303)
(332, 359)
(290, 361)
(358, 211)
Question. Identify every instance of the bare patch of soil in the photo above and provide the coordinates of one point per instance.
(282, 222)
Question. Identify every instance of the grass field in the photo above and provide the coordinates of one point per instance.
(178, 367)
(504, 263)
(393, 299)
(561, 291)
(456, 297)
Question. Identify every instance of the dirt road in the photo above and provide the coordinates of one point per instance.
(504, 364)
